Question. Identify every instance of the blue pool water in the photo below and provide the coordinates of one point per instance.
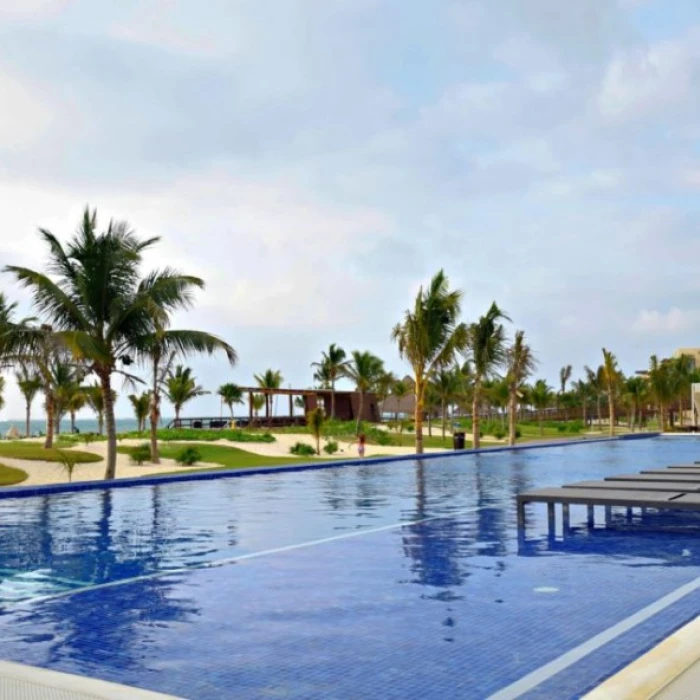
(395, 580)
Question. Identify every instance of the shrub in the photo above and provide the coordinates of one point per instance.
(301, 449)
(188, 456)
(204, 435)
(499, 433)
(140, 454)
(576, 426)
(518, 433)
(562, 427)
(330, 448)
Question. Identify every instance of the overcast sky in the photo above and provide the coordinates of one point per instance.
(317, 160)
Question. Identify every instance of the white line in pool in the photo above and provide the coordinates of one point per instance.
(544, 673)
(242, 557)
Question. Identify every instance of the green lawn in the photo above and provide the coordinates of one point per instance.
(10, 475)
(228, 457)
(33, 451)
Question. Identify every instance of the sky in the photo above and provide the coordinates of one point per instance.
(316, 161)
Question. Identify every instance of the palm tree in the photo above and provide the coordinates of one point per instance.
(540, 396)
(2, 391)
(315, 419)
(29, 385)
(486, 348)
(520, 364)
(384, 386)
(582, 391)
(445, 386)
(429, 337)
(611, 380)
(564, 376)
(231, 394)
(257, 402)
(323, 376)
(180, 388)
(364, 369)
(661, 387)
(269, 381)
(141, 404)
(99, 306)
(333, 364)
(76, 402)
(595, 382)
(635, 394)
(93, 395)
(682, 372)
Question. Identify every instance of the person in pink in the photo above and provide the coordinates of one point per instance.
(361, 440)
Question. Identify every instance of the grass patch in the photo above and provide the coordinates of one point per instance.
(10, 475)
(224, 456)
(184, 434)
(35, 452)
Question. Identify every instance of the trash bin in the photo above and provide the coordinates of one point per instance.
(458, 441)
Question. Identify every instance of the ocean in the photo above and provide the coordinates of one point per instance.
(84, 425)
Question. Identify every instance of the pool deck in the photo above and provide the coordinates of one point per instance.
(21, 682)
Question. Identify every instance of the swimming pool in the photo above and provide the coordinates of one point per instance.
(401, 579)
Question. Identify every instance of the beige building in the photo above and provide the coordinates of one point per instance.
(693, 353)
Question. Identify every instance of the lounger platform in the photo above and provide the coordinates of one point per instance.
(608, 497)
(639, 485)
(663, 476)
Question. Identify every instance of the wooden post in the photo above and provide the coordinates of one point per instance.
(250, 407)
(521, 515)
(566, 521)
(629, 515)
(551, 522)
(291, 408)
(608, 516)
(591, 516)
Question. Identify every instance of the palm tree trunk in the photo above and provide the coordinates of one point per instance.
(611, 412)
(444, 420)
(155, 413)
(268, 409)
(539, 418)
(333, 399)
(101, 422)
(177, 415)
(585, 422)
(359, 412)
(108, 399)
(29, 419)
(418, 416)
(475, 414)
(72, 422)
(511, 418)
(50, 421)
(600, 419)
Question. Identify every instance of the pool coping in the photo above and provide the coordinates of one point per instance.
(657, 670)
(29, 682)
(211, 474)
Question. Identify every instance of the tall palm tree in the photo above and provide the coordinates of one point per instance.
(93, 395)
(429, 337)
(445, 387)
(582, 390)
(540, 396)
(231, 394)
(520, 364)
(181, 387)
(611, 380)
(635, 393)
(100, 307)
(564, 376)
(269, 381)
(661, 387)
(384, 386)
(596, 384)
(323, 376)
(486, 348)
(257, 402)
(76, 402)
(315, 420)
(333, 363)
(141, 404)
(364, 369)
(29, 385)
(682, 372)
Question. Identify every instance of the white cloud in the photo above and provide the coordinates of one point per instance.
(25, 115)
(31, 8)
(674, 320)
